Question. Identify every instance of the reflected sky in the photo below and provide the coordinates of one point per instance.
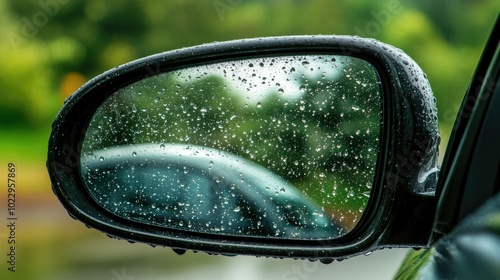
(253, 79)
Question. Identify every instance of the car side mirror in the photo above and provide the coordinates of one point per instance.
(317, 147)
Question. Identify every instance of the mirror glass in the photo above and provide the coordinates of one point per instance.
(275, 146)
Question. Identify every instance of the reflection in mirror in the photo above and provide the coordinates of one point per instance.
(276, 147)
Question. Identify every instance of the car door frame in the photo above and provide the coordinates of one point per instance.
(468, 177)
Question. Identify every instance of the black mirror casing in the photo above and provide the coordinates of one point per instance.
(401, 209)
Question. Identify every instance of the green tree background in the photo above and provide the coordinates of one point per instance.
(48, 48)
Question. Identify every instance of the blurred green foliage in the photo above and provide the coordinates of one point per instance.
(44, 41)
(50, 47)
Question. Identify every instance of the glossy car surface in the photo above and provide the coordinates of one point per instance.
(186, 186)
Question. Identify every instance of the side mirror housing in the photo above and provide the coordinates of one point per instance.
(318, 147)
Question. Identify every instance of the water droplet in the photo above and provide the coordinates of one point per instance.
(305, 63)
(282, 190)
(237, 209)
(317, 214)
(322, 175)
(355, 108)
(250, 65)
(134, 154)
(162, 146)
(259, 105)
(302, 88)
(157, 99)
(292, 69)
(101, 159)
(280, 90)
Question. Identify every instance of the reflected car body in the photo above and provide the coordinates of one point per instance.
(191, 187)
